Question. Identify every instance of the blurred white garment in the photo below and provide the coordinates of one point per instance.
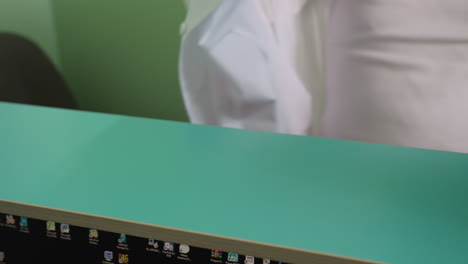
(390, 72)
(398, 73)
(239, 67)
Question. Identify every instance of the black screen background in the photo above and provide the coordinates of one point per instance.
(36, 247)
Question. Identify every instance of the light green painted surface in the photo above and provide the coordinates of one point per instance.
(32, 19)
(382, 203)
(121, 56)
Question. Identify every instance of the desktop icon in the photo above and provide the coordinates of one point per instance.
(169, 246)
(249, 260)
(108, 255)
(65, 229)
(24, 222)
(2, 256)
(153, 243)
(10, 220)
(123, 258)
(93, 234)
(216, 254)
(266, 261)
(184, 249)
(122, 239)
(50, 226)
(233, 257)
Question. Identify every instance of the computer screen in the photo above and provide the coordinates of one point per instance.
(26, 240)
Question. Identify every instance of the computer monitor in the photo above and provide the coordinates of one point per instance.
(34, 234)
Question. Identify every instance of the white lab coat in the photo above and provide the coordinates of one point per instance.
(239, 67)
(391, 72)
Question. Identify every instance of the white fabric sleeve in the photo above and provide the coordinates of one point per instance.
(233, 74)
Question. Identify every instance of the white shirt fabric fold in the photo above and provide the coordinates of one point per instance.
(235, 72)
(398, 73)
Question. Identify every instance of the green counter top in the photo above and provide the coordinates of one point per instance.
(368, 201)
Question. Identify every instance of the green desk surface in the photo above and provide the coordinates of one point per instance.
(381, 203)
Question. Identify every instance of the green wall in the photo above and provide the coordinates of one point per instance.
(120, 56)
(32, 19)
